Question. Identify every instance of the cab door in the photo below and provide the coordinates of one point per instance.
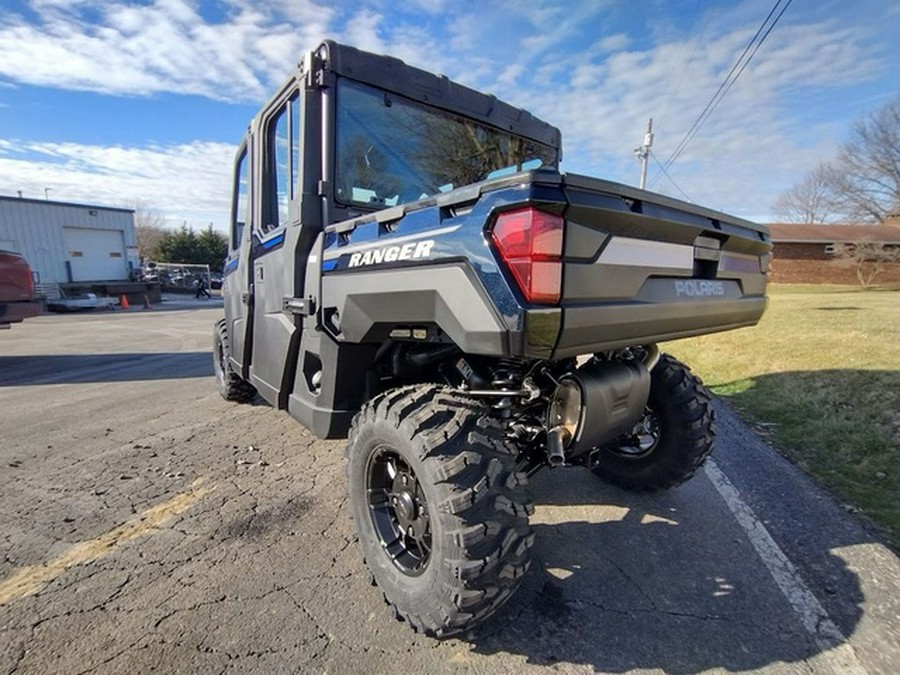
(276, 263)
(236, 283)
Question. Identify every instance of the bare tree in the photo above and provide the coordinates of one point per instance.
(812, 200)
(862, 185)
(869, 178)
(869, 259)
(149, 226)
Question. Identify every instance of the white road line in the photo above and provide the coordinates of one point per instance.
(812, 614)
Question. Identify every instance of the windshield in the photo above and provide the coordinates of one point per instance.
(391, 150)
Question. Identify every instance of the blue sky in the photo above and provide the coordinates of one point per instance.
(112, 102)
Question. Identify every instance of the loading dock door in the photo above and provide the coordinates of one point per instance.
(96, 255)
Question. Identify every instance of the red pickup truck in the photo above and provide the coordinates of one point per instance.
(16, 290)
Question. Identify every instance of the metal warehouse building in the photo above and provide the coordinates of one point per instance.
(69, 243)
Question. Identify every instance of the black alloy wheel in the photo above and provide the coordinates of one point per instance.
(399, 511)
(643, 439)
(439, 506)
(670, 442)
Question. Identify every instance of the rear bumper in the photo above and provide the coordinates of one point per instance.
(595, 328)
(13, 312)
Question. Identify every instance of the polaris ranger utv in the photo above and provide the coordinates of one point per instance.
(408, 268)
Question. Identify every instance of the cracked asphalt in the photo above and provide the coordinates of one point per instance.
(146, 525)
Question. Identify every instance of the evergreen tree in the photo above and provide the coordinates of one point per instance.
(185, 246)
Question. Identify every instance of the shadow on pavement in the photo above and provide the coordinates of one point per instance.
(842, 425)
(179, 303)
(82, 368)
(663, 581)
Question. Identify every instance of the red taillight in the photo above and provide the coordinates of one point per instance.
(530, 243)
(16, 276)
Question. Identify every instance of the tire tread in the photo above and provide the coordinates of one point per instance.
(690, 408)
(482, 506)
(232, 386)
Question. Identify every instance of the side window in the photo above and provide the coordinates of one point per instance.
(295, 145)
(283, 164)
(241, 200)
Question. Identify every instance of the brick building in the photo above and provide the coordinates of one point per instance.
(811, 253)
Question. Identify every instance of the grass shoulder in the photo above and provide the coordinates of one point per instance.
(820, 378)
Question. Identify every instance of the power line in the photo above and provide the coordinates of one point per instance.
(728, 82)
(737, 75)
(670, 94)
(753, 53)
(671, 180)
(704, 114)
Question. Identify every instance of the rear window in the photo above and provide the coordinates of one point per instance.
(392, 150)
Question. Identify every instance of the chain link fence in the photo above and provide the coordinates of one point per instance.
(184, 277)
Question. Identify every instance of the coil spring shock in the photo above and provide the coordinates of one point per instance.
(507, 374)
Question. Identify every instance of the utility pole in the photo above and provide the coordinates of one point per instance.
(643, 152)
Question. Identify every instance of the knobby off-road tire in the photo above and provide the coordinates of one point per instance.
(672, 440)
(440, 511)
(230, 384)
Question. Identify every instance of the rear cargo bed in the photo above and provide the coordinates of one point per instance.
(639, 267)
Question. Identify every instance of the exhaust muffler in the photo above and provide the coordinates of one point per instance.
(594, 405)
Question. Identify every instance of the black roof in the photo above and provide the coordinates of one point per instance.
(392, 74)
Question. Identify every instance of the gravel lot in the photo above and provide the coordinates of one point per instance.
(148, 525)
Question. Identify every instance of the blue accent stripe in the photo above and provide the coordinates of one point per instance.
(273, 242)
(231, 266)
(329, 265)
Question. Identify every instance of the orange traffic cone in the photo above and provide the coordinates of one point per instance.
(123, 303)
(146, 302)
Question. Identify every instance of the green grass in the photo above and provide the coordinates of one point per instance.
(820, 378)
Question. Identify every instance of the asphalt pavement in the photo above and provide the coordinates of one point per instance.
(148, 525)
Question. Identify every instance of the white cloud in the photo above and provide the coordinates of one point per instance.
(429, 6)
(463, 31)
(362, 31)
(510, 74)
(571, 63)
(371, 31)
(162, 47)
(603, 100)
(614, 43)
(189, 181)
